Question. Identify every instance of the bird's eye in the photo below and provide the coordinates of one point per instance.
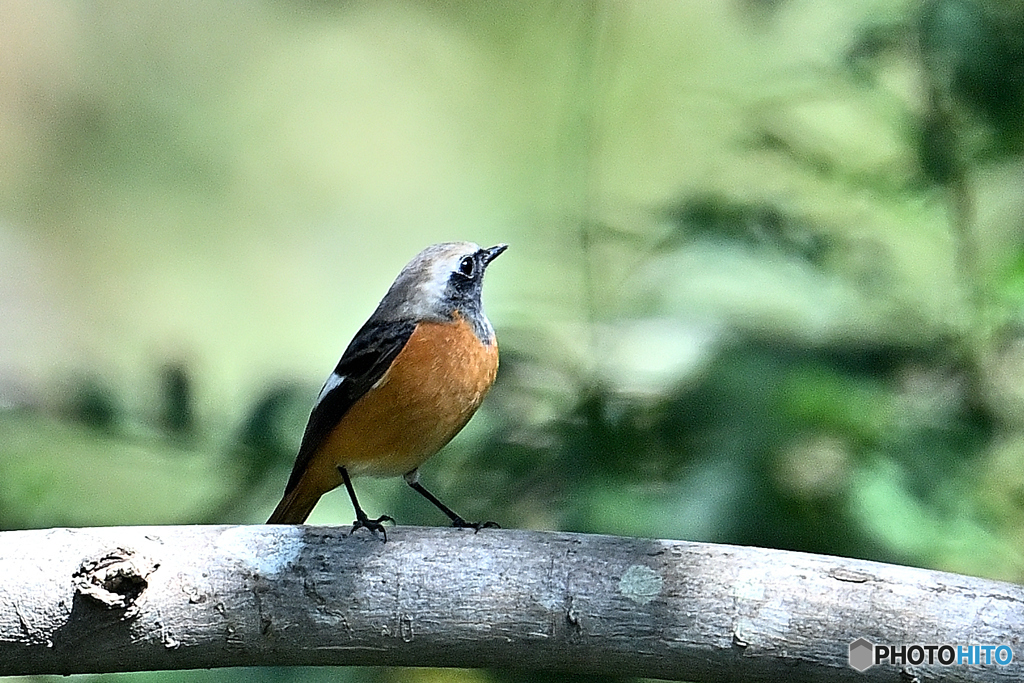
(467, 265)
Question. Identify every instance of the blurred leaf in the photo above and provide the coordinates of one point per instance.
(758, 225)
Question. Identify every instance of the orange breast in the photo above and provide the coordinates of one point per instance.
(427, 395)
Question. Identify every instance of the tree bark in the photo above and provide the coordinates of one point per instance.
(149, 598)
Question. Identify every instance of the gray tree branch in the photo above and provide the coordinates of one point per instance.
(149, 598)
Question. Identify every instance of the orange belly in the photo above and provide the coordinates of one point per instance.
(427, 395)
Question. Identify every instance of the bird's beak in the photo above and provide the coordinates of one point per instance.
(493, 252)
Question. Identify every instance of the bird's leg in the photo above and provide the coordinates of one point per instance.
(374, 525)
(413, 479)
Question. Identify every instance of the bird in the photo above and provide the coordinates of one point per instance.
(408, 382)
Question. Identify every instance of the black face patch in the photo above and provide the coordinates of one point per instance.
(462, 295)
(464, 284)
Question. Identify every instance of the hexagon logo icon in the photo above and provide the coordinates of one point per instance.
(861, 651)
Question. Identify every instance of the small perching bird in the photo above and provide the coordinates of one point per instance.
(410, 379)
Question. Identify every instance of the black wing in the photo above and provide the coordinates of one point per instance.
(364, 362)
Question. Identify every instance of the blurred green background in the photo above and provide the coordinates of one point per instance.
(765, 283)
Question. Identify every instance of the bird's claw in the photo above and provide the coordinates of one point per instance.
(373, 525)
(475, 526)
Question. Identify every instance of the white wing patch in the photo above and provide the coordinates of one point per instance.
(330, 385)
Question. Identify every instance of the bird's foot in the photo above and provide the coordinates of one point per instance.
(373, 525)
(460, 523)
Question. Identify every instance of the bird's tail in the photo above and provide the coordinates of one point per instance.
(296, 505)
